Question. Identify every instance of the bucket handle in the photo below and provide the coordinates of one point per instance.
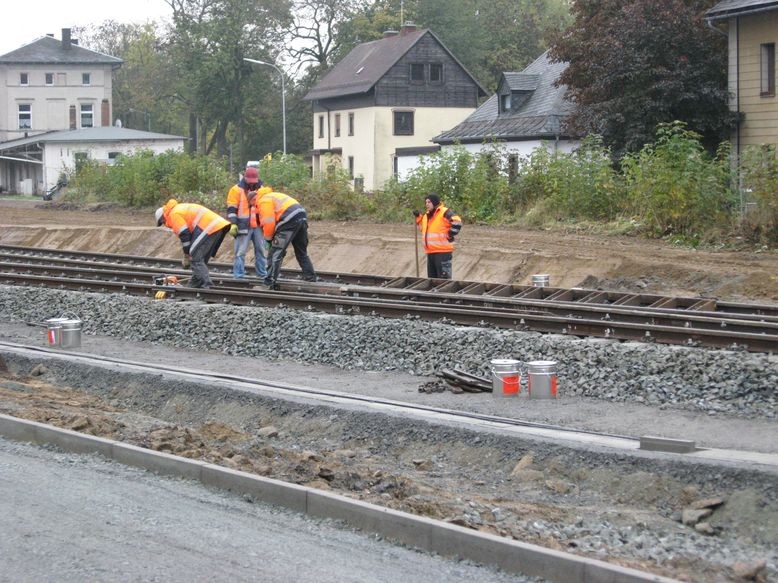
(70, 316)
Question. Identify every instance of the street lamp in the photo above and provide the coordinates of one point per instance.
(283, 92)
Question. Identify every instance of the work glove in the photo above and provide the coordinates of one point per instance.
(268, 244)
(234, 230)
(416, 213)
(186, 262)
(450, 238)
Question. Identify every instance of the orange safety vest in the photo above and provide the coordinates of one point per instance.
(436, 229)
(276, 209)
(192, 223)
(239, 211)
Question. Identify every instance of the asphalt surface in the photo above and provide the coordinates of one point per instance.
(67, 517)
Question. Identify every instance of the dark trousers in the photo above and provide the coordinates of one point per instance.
(295, 233)
(439, 265)
(202, 254)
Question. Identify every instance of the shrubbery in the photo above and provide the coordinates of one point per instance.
(671, 187)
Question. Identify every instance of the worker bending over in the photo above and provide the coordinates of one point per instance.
(283, 221)
(201, 232)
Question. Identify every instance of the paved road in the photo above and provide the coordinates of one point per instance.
(66, 517)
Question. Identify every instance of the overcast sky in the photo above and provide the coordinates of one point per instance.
(23, 21)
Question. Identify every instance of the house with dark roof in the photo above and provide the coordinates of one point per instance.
(387, 96)
(527, 111)
(752, 30)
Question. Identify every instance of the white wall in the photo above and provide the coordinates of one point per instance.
(406, 164)
(51, 104)
(59, 157)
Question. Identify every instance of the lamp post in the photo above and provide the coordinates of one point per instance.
(283, 92)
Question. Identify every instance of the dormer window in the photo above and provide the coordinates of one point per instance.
(506, 102)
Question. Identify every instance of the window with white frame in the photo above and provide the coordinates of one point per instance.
(25, 116)
(49, 78)
(24, 79)
(321, 126)
(87, 115)
(351, 124)
(86, 78)
(337, 125)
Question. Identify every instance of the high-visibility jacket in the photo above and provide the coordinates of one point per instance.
(240, 211)
(276, 209)
(192, 223)
(436, 227)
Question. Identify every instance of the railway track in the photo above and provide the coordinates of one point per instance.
(576, 312)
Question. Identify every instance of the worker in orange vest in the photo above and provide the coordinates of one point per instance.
(201, 232)
(439, 225)
(283, 221)
(242, 213)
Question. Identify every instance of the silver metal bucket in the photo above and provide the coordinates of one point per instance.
(506, 380)
(54, 331)
(64, 332)
(542, 382)
(71, 334)
(541, 280)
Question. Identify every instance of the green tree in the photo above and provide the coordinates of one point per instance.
(635, 64)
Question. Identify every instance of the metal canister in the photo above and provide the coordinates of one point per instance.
(71, 333)
(54, 331)
(542, 382)
(505, 377)
(541, 280)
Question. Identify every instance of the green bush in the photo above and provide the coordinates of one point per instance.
(759, 181)
(675, 186)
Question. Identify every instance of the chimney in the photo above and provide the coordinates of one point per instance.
(407, 27)
(66, 39)
(390, 33)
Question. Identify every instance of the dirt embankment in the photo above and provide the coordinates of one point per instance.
(501, 255)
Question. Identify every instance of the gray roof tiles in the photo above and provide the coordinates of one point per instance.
(539, 117)
(99, 134)
(48, 50)
(727, 8)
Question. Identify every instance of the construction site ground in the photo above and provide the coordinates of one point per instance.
(465, 482)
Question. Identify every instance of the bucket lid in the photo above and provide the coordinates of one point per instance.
(541, 366)
(504, 361)
(56, 320)
(70, 323)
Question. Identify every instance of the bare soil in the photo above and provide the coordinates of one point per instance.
(500, 255)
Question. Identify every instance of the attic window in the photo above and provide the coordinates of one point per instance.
(506, 102)
(24, 79)
(436, 72)
(417, 73)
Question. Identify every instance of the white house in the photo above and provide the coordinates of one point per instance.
(386, 96)
(527, 111)
(34, 164)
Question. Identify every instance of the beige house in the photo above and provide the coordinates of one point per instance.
(752, 29)
(387, 97)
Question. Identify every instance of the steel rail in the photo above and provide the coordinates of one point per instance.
(655, 316)
(529, 320)
(574, 297)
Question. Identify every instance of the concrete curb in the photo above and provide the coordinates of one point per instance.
(415, 531)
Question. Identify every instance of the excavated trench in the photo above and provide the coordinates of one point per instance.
(694, 522)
